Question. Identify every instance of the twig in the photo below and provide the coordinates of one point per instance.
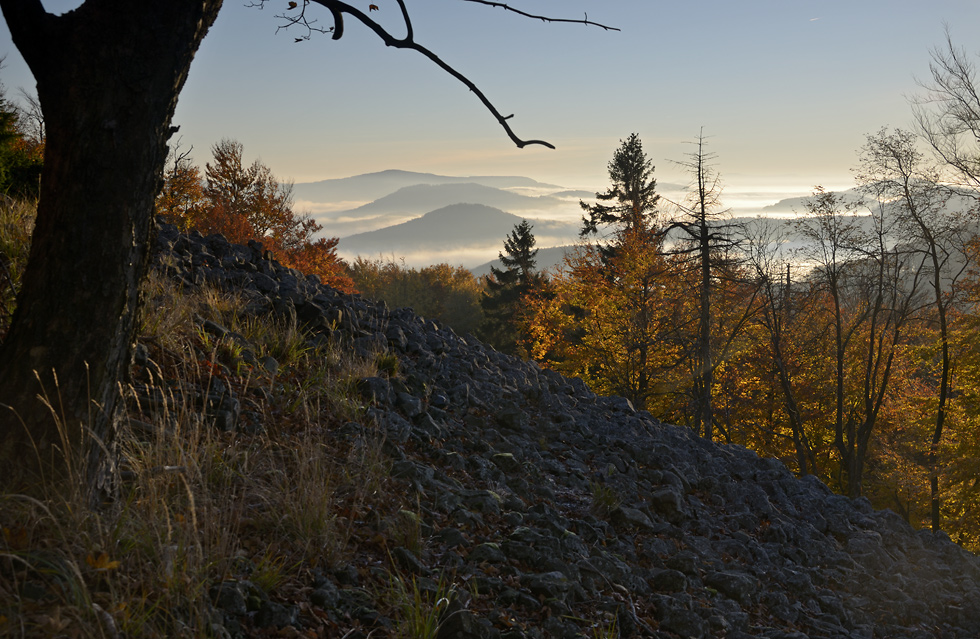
(507, 7)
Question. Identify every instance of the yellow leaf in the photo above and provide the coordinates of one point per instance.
(292, 5)
(373, 7)
(16, 537)
(101, 562)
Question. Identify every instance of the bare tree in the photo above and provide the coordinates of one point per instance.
(948, 114)
(31, 117)
(707, 245)
(893, 171)
(871, 298)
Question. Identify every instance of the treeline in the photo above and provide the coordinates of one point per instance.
(21, 147)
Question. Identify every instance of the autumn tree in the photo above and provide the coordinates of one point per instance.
(779, 306)
(100, 178)
(506, 287)
(247, 202)
(606, 317)
(181, 200)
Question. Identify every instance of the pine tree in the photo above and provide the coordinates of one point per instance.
(505, 288)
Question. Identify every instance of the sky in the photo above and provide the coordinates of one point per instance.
(784, 90)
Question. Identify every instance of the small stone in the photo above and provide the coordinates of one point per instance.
(229, 596)
(668, 580)
(487, 552)
(625, 518)
(270, 365)
(737, 586)
(465, 625)
(550, 584)
(408, 560)
(686, 623)
(272, 614)
(506, 462)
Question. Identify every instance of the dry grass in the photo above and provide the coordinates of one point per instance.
(197, 505)
(16, 226)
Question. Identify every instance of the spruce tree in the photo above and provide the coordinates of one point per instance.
(632, 193)
(505, 288)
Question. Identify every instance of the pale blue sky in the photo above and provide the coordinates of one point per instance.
(785, 88)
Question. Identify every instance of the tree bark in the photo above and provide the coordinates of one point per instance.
(108, 75)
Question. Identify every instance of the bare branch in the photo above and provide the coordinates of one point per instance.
(507, 7)
(299, 19)
(948, 115)
(31, 117)
(338, 9)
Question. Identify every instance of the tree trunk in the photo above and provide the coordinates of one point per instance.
(705, 365)
(108, 75)
(935, 499)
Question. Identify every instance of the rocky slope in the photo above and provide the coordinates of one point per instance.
(559, 509)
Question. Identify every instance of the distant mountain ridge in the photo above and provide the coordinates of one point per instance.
(475, 228)
(425, 218)
(371, 186)
(448, 227)
(412, 201)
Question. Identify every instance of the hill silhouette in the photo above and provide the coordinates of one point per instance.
(458, 226)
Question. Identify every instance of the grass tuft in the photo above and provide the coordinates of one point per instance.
(283, 495)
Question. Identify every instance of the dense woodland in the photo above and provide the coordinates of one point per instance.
(853, 358)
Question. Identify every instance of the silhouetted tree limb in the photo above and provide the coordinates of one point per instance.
(948, 115)
(339, 9)
(507, 7)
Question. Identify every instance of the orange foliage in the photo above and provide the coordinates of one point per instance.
(245, 203)
(320, 258)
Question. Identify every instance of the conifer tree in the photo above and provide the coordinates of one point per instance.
(609, 319)
(632, 194)
(505, 288)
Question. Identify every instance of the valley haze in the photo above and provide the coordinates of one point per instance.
(421, 219)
